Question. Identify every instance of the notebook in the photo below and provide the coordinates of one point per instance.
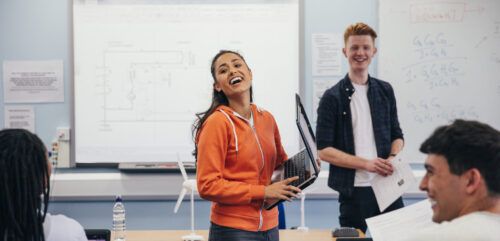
(302, 164)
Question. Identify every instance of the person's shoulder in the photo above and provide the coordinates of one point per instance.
(473, 226)
(382, 83)
(262, 112)
(218, 117)
(335, 89)
(481, 218)
(64, 228)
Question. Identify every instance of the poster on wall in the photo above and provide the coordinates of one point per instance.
(19, 117)
(33, 81)
(326, 52)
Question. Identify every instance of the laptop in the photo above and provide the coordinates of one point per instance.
(98, 234)
(302, 164)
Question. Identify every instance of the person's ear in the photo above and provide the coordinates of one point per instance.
(374, 50)
(344, 51)
(217, 87)
(473, 180)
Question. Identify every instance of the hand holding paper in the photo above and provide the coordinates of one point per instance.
(389, 188)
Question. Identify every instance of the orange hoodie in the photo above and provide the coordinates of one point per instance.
(235, 163)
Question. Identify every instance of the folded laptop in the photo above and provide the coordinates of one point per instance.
(98, 234)
(302, 164)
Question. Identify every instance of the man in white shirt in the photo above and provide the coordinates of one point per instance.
(462, 182)
(358, 132)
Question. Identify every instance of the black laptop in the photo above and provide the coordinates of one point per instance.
(302, 164)
(98, 234)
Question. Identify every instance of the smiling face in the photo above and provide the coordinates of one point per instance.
(446, 191)
(359, 51)
(232, 75)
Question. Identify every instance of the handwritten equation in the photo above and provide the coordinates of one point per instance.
(433, 64)
(437, 12)
(443, 12)
(429, 111)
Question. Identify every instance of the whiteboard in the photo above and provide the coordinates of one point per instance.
(142, 71)
(443, 60)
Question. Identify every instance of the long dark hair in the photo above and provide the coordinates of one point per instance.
(218, 98)
(24, 186)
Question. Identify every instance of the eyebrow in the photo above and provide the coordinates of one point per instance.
(224, 64)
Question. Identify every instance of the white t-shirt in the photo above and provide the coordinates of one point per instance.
(62, 228)
(364, 140)
(477, 226)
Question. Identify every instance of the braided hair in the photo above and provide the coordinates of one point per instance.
(24, 186)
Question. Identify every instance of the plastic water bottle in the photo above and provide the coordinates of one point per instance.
(119, 219)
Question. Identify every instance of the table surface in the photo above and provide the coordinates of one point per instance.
(286, 235)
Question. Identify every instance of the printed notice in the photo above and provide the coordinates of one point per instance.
(20, 117)
(326, 52)
(33, 81)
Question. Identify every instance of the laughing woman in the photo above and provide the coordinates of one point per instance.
(238, 146)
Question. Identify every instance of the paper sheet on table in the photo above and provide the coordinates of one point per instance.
(388, 189)
(400, 223)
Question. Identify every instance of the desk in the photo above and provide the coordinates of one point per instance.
(167, 235)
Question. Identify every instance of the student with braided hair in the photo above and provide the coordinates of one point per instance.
(24, 192)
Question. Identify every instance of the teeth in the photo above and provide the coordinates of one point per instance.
(235, 80)
(432, 201)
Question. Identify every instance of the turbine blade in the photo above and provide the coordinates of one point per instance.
(179, 200)
(183, 171)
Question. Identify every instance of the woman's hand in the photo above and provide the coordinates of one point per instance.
(281, 190)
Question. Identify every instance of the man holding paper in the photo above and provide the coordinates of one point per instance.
(358, 131)
(462, 182)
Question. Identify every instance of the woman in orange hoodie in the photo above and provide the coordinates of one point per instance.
(238, 146)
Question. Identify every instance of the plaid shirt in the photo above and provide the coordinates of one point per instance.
(334, 125)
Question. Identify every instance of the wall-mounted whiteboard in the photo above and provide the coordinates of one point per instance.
(142, 71)
(443, 60)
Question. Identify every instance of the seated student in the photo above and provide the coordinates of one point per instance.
(24, 192)
(463, 182)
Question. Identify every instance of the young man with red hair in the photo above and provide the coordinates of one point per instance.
(358, 131)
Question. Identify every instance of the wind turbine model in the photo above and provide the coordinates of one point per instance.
(187, 185)
(302, 226)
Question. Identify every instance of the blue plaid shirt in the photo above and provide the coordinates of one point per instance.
(334, 125)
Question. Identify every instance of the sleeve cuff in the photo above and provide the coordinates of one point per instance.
(257, 192)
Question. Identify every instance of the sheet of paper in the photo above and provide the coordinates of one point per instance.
(326, 53)
(402, 222)
(33, 81)
(20, 117)
(388, 189)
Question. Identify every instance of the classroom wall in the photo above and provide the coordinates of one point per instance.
(41, 30)
(156, 215)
